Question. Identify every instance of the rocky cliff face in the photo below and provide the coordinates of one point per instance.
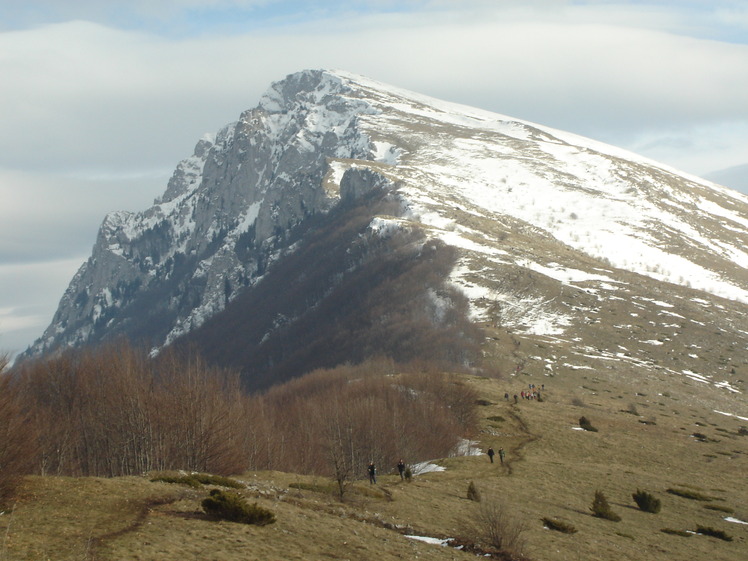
(227, 213)
(611, 258)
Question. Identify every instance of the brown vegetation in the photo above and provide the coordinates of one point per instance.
(16, 444)
(113, 411)
(496, 526)
(555, 471)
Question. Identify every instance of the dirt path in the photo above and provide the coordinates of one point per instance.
(95, 543)
(516, 451)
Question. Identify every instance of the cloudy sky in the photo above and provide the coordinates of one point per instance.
(100, 99)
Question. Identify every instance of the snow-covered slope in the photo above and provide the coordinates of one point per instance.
(540, 216)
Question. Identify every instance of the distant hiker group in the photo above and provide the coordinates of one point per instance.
(531, 393)
(372, 469)
(491, 454)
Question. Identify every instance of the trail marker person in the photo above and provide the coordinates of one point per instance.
(401, 469)
(501, 455)
(372, 473)
(490, 454)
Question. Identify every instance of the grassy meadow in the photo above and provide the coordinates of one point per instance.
(692, 459)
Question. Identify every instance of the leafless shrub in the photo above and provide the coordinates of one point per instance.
(113, 411)
(16, 438)
(494, 525)
(334, 422)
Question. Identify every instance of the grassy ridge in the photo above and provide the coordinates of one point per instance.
(551, 471)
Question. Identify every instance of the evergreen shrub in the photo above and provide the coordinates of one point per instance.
(559, 526)
(707, 531)
(472, 492)
(681, 533)
(196, 479)
(225, 505)
(647, 502)
(688, 494)
(601, 508)
(720, 508)
(220, 480)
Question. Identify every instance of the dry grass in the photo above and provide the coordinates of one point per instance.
(551, 471)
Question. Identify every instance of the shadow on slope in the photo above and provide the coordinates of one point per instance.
(346, 294)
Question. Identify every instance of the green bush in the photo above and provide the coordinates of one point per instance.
(720, 508)
(197, 479)
(601, 508)
(559, 526)
(647, 502)
(472, 492)
(179, 479)
(328, 487)
(707, 531)
(225, 505)
(687, 494)
(221, 481)
(585, 423)
(681, 533)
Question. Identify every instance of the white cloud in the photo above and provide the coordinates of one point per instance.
(31, 293)
(51, 216)
(107, 97)
(94, 118)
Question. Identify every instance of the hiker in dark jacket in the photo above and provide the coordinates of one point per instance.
(490, 454)
(372, 473)
(401, 469)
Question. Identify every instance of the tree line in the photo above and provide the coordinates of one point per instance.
(114, 411)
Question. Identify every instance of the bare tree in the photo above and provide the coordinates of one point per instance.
(341, 449)
(16, 438)
(494, 525)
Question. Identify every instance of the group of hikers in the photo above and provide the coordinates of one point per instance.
(491, 454)
(532, 392)
(373, 471)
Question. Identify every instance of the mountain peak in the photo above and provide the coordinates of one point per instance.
(547, 229)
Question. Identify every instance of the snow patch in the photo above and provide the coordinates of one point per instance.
(433, 541)
(426, 467)
(384, 227)
(731, 415)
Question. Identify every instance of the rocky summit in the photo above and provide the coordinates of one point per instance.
(343, 218)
